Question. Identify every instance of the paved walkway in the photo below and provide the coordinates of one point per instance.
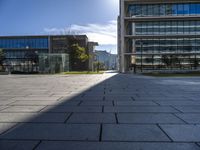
(99, 112)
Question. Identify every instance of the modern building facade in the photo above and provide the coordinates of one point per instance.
(159, 34)
(22, 52)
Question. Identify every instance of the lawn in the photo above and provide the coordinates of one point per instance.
(83, 72)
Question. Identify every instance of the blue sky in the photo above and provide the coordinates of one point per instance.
(96, 18)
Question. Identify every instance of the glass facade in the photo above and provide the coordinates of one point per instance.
(165, 28)
(163, 51)
(22, 53)
(180, 9)
(22, 43)
(53, 63)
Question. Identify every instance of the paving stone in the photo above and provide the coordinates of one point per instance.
(191, 109)
(69, 103)
(73, 109)
(92, 118)
(6, 102)
(3, 107)
(135, 103)
(191, 118)
(5, 126)
(118, 97)
(176, 103)
(147, 118)
(62, 145)
(17, 145)
(34, 117)
(149, 109)
(97, 103)
(32, 98)
(126, 132)
(182, 133)
(23, 109)
(30, 131)
(34, 103)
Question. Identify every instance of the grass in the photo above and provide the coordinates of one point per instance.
(189, 74)
(82, 72)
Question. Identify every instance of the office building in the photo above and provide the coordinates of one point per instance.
(159, 35)
(22, 52)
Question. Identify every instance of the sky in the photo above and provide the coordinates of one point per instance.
(96, 18)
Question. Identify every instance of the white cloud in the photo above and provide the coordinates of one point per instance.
(101, 33)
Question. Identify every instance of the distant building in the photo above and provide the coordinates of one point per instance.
(22, 51)
(109, 60)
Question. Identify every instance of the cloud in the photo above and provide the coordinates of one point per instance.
(104, 34)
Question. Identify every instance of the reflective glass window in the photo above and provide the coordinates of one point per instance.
(168, 9)
(162, 9)
(174, 9)
(192, 9)
(197, 8)
(186, 9)
(180, 9)
(156, 9)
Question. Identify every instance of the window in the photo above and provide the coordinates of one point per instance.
(150, 10)
(144, 10)
(197, 8)
(156, 10)
(137, 10)
(162, 9)
(192, 9)
(186, 10)
(180, 27)
(180, 9)
(174, 9)
(169, 9)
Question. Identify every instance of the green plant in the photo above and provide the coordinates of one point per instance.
(79, 58)
(79, 53)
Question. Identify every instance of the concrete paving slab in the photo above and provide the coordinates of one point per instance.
(97, 103)
(127, 132)
(135, 103)
(73, 109)
(32, 98)
(148, 109)
(34, 103)
(62, 145)
(92, 118)
(3, 107)
(23, 109)
(191, 118)
(34, 117)
(30, 131)
(17, 145)
(182, 133)
(177, 103)
(6, 126)
(147, 118)
(188, 109)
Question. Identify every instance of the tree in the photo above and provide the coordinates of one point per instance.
(99, 66)
(2, 58)
(78, 56)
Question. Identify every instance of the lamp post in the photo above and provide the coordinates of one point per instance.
(141, 52)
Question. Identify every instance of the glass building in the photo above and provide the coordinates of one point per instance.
(24, 53)
(159, 35)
